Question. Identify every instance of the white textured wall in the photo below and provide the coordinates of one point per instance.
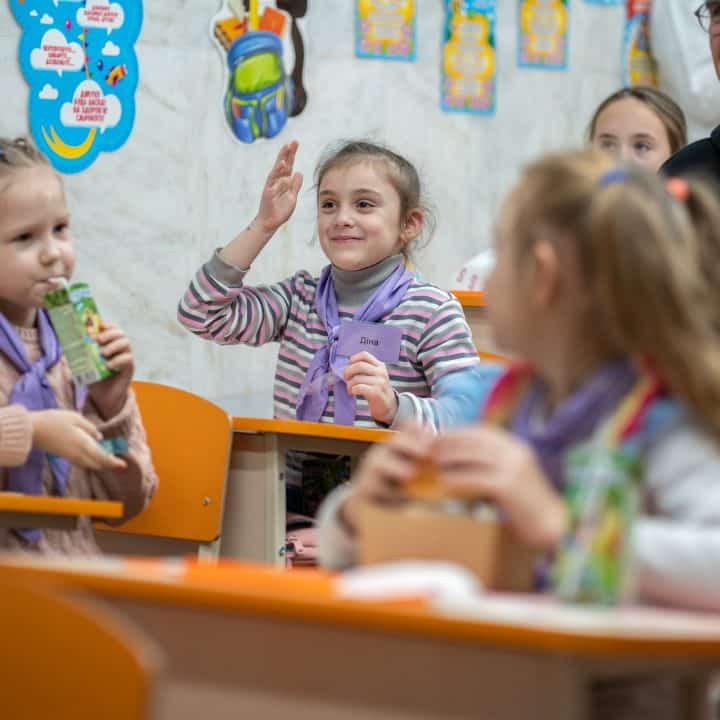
(147, 215)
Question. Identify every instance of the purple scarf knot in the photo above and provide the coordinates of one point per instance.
(575, 419)
(327, 367)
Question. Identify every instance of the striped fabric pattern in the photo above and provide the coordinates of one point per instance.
(436, 339)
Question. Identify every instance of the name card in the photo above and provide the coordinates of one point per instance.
(381, 341)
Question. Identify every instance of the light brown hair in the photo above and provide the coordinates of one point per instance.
(664, 107)
(648, 259)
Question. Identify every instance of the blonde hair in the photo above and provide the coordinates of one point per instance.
(19, 153)
(647, 258)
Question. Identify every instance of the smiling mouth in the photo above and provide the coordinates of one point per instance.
(345, 239)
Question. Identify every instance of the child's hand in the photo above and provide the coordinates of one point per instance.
(365, 375)
(68, 434)
(110, 395)
(385, 470)
(280, 193)
(486, 463)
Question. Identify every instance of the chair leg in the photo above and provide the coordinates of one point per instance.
(209, 552)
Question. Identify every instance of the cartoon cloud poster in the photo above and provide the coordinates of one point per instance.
(79, 61)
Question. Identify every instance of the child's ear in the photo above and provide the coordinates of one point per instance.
(411, 226)
(546, 271)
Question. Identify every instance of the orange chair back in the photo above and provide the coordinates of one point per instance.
(190, 440)
(68, 659)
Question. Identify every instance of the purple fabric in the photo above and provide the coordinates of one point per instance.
(314, 391)
(575, 419)
(33, 391)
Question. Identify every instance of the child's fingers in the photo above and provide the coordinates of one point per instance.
(365, 379)
(115, 347)
(296, 183)
(278, 167)
(392, 468)
(477, 444)
(86, 426)
(291, 153)
(107, 461)
(364, 368)
(95, 457)
(367, 357)
(118, 362)
(413, 443)
(110, 333)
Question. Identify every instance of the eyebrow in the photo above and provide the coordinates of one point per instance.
(357, 191)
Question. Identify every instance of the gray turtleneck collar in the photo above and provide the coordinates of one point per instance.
(354, 287)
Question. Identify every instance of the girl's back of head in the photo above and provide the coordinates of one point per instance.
(647, 255)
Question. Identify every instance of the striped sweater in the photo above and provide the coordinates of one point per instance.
(436, 340)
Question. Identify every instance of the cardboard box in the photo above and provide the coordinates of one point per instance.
(417, 532)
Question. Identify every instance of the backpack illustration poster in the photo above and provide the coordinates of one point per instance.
(78, 58)
(259, 40)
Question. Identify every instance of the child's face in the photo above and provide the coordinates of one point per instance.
(35, 241)
(629, 129)
(358, 216)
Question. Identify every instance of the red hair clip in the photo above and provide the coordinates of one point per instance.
(678, 188)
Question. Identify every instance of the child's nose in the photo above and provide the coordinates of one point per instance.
(50, 250)
(344, 216)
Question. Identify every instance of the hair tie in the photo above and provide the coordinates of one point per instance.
(614, 177)
(678, 188)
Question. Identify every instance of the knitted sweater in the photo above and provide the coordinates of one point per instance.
(436, 340)
(133, 486)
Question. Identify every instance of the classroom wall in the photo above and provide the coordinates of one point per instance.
(147, 215)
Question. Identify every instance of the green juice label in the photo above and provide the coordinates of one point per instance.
(592, 564)
(76, 320)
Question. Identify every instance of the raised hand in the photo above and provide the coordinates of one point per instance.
(279, 196)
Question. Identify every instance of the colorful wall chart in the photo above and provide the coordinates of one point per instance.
(385, 29)
(543, 34)
(79, 60)
(468, 73)
(255, 40)
(639, 66)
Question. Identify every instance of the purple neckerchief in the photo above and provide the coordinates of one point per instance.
(33, 392)
(314, 390)
(576, 418)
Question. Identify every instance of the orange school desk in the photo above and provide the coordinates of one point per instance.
(473, 305)
(43, 511)
(254, 516)
(246, 641)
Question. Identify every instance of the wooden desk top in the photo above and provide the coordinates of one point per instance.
(308, 596)
(48, 505)
(470, 298)
(310, 429)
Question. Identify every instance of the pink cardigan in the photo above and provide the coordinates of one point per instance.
(134, 486)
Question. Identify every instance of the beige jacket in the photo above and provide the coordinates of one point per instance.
(134, 486)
